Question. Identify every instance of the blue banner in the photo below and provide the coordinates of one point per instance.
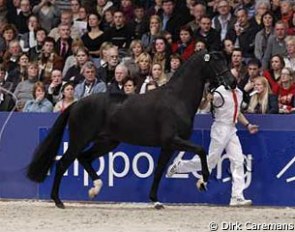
(127, 172)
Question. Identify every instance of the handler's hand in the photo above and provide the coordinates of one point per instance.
(252, 128)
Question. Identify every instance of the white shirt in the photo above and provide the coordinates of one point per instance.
(229, 111)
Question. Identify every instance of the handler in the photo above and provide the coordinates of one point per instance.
(226, 103)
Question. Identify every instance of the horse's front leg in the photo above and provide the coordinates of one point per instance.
(164, 158)
(185, 145)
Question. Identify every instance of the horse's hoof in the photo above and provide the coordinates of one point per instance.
(94, 191)
(201, 185)
(60, 205)
(158, 205)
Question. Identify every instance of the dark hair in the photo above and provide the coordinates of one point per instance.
(128, 78)
(49, 40)
(254, 61)
(98, 16)
(66, 85)
(188, 29)
(280, 58)
(268, 13)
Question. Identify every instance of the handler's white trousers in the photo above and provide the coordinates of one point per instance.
(223, 137)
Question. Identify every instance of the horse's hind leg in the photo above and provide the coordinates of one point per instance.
(164, 158)
(61, 167)
(87, 157)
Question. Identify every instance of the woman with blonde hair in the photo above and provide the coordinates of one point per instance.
(103, 53)
(262, 100)
(155, 26)
(144, 63)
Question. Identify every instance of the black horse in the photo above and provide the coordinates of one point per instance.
(161, 118)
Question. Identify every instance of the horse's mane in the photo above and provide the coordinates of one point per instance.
(118, 97)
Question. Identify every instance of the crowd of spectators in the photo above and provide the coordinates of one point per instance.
(55, 52)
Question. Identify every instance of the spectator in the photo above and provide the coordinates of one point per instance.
(244, 34)
(161, 53)
(198, 10)
(247, 83)
(120, 34)
(273, 75)
(7, 85)
(24, 89)
(81, 22)
(13, 9)
(261, 7)
(224, 21)
(276, 9)
(290, 58)
(117, 86)
(9, 33)
(102, 6)
(48, 60)
(94, 37)
(136, 48)
(228, 48)
(208, 34)
(127, 9)
(172, 20)
(91, 84)
(23, 16)
(11, 55)
(107, 20)
(262, 37)
(28, 39)
(144, 62)
(66, 18)
(129, 85)
(286, 92)
(7, 103)
(35, 51)
(291, 29)
(175, 62)
(107, 72)
(54, 88)
(71, 60)
(262, 101)
(155, 9)
(68, 97)
(158, 75)
(200, 45)
(20, 72)
(287, 12)
(186, 45)
(249, 6)
(139, 24)
(154, 31)
(75, 6)
(63, 45)
(276, 44)
(48, 14)
(40, 103)
(238, 68)
(3, 13)
(103, 53)
(74, 73)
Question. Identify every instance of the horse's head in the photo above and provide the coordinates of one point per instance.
(219, 72)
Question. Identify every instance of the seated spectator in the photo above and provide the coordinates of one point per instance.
(107, 20)
(175, 62)
(71, 60)
(290, 58)
(75, 6)
(261, 7)
(93, 39)
(291, 29)
(262, 100)
(276, 44)
(3, 13)
(127, 8)
(91, 84)
(63, 45)
(286, 8)
(286, 92)
(20, 72)
(11, 56)
(228, 48)
(116, 86)
(273, 75)
(136, 48)
(8, 34)
(48, 14)
(74, 72)
(67, 99)
(39, 103)
(161, 52)
(35, 52)
(144, 62)
(198, 10)
(28, 39)
(129, 85)
(103, 54)
(200, 46)
(55, 86)
(22, 17)
(262, 37)
(139, 23)
(107, 72)
(7, 85)
(48, 60)
(24, 89)
(147, 38)
(238, 68)
(186, 45)
(7, 103)
(102, 6)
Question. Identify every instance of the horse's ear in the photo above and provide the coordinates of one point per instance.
(207, 57)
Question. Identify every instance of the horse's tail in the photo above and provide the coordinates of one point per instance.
(46, 151)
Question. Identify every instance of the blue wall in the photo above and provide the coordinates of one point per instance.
(127, 171)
